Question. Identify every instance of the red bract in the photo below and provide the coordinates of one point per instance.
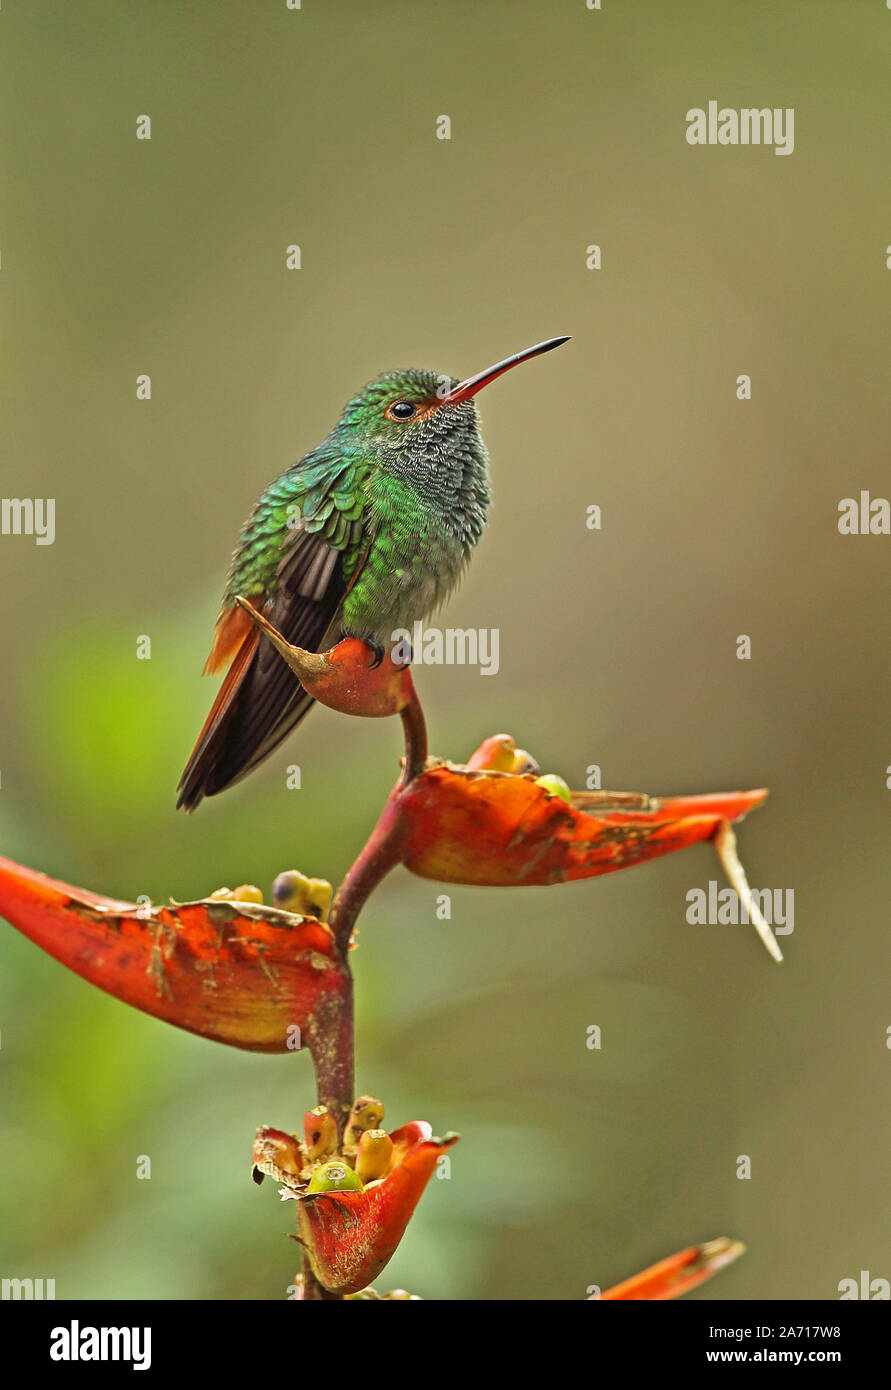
(234, 972)
(276, 1155)
(350, 1236)
(678, 1274)
(343, 678)
(472, 826)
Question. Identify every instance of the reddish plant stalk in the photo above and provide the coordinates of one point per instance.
(332, 1044)
(383, 848)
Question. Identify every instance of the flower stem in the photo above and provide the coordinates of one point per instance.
(415, 729)
(384, 846)
(332, 1047)
(332, 1042)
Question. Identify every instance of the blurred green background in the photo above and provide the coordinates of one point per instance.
(618, 647)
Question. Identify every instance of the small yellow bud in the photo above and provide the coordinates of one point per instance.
(307, 897)
(374, 1155)
(319, 1132)
(524, 762)
(367, 1113)
(320, 895)
(247, 893)
(495, 754)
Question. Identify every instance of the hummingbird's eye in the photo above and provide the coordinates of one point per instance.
(401, 410)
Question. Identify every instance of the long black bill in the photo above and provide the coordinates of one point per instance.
(465, 389)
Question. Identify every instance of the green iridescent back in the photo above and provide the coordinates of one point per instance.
(403, 501)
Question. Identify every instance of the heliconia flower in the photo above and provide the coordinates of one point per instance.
(497, 753)
(344, 677)
(350, 1236)
(245, 893)
(308, 897)
(678, 1274)
(251, 976)
(466, 826)
(477, 826)
(374, 1154)
(276, 1155)
(335, 1176)
(555, 786)
(367, 1113)
(319, 1132)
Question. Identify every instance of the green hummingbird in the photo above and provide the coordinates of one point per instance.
(367, 533)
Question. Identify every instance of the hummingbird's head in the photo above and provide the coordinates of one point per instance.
(414, 421)
(397, 409)
(400, 423)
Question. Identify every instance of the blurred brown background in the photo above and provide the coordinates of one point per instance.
(120, 257)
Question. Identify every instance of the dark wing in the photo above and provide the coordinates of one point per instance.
(261, 700)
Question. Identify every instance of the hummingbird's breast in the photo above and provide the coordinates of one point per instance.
(421, 530)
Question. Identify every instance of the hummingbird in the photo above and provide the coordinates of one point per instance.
(369, 532)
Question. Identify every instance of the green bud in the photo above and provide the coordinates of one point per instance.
(554, 786)
(334, 1177)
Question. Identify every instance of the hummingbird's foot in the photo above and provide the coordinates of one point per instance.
(379, 652)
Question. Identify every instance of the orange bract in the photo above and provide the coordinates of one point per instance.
(678, 1274)
(482, 827)
(234, 972)
(350, 684)
(344, 677)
